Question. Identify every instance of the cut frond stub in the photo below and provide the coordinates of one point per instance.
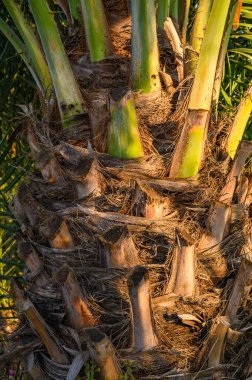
(215, 226)
(38, 323)
(243, 152)
(213, 349)
(76, 305)
(177, 48)
(44, 159)
(121, 251)
(123, 134)
(103, 353)
(237, 293)
(143, 326)
(92, 182)
(182, 281)
(33, 262)
(60, 236)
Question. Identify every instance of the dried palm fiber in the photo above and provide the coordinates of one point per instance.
(119, 248)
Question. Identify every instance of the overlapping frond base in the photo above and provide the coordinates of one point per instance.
(121, 215)
(144, 274)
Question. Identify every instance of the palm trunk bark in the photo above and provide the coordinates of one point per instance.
(123, 263)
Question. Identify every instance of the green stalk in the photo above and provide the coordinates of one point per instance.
(123, 134)
(75, 9)
(189, 152)
(96, 29)
(20, 49)
(67, 92)
(222, 54)
(202, 89)
(174, 10)
(33, 49)
(192, 156)
(163, 12)
(240, 122)
(145, 55)
(198, 32)
(184, 7)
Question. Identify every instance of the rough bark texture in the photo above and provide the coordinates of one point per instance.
(106, 275)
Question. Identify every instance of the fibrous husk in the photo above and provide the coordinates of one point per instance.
(85, 232)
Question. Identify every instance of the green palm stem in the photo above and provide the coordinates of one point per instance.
(34, 52)
(96, 29)
(198, 32)
(21, 50)
(184, 7)
(163, 12)
(67, 91)
(145, 54)
(189, 152)
(174, 10)
(75, 10)
(240, 122)
(222, 55)
(123, 134)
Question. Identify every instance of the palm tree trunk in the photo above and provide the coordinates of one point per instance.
(138, 272)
